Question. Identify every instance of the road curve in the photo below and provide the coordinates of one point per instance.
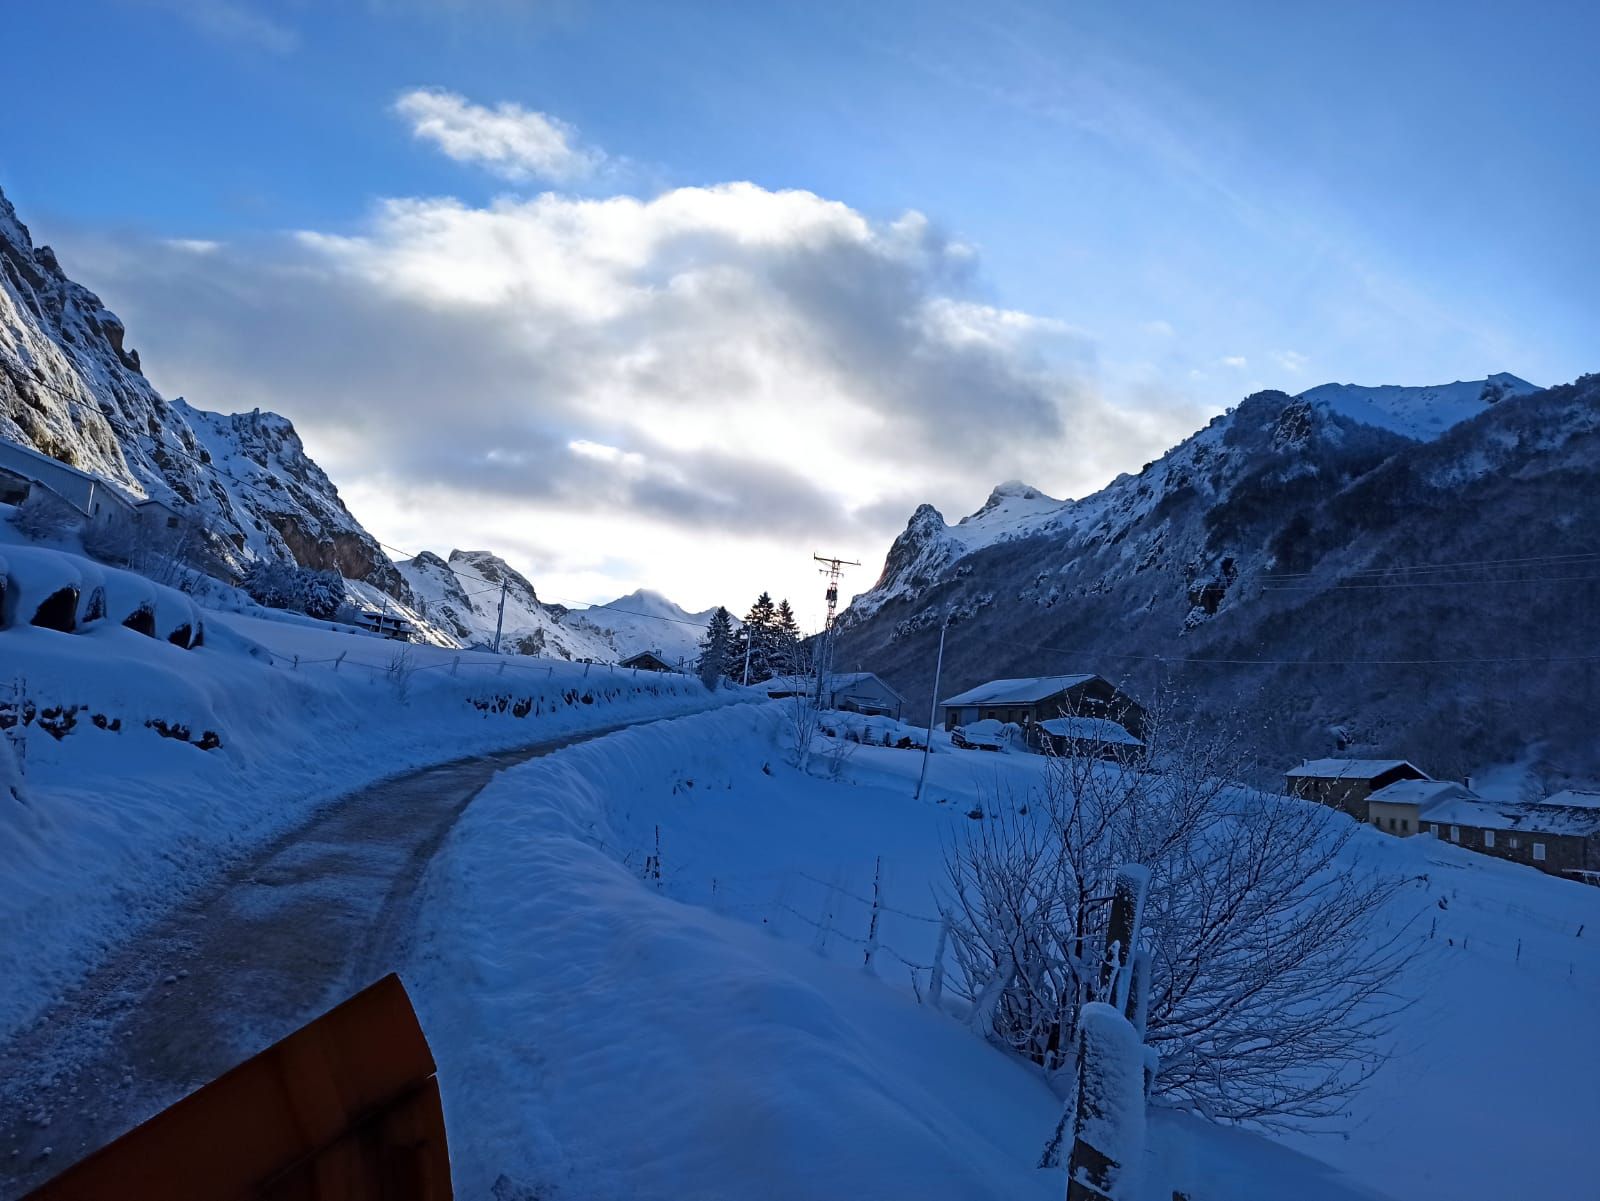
(274, 941)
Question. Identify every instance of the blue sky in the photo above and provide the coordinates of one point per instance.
(1128, 217)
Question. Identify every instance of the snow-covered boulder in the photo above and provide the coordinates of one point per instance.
(43, 587)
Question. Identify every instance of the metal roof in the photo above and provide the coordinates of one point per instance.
(1350, 769)
(1026, 691)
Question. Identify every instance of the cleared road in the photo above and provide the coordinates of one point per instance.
(315, 915)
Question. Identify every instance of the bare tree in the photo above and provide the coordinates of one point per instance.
(1274, 956)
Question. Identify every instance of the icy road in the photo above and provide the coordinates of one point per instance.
(276, 940)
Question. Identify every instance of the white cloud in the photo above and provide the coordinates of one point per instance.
(512, 141)
(1237, 361)
(1291, 360)
(690, 391)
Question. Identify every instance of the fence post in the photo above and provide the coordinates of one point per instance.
(297, 663)
(339, 660)
(1108, 1138)
(502, 670)
(455, 663)
(936, 976)
(1115, 1073)
(872, 926)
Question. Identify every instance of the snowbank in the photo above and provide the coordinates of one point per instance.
(145, 767)
(619, 1009)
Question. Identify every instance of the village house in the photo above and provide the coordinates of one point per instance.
(1399, 808)
(1029, 701)
(852, 692)
(647, 661)
(97, 500)
(1559, 835)
(1346, 784)
(386, 625)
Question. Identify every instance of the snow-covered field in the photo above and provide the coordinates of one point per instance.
(116, 819)
(642, 967)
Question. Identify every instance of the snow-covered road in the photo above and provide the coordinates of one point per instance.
(276, 940)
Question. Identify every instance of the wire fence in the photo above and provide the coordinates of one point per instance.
(402, 665)
(835, 915)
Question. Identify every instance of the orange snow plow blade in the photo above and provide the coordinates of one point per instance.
(344, 1109)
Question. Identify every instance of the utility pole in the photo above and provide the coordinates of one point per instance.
(747, 641)
(500, 617)
(933, 709)
(833, 570)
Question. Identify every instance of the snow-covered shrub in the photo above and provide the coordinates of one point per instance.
(319, 594)
(1273, 965)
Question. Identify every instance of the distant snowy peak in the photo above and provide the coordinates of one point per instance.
(645, 620)
(1420, 413)
(462, 595)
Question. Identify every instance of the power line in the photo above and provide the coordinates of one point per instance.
(1573, 558)
(1563, 579)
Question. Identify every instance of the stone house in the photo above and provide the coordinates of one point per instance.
(1559, 835)
(1346, 784)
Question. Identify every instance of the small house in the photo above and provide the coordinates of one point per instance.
(1097, 737)
(23, 469)
(1347, 783)
(1033, 699)
(1559, 835)
(1399, 808)
(851, 692)
(646, 661)
(385, 625)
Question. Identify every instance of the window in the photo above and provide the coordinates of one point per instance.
(1538, 851)
(1514, 843)
(1433, 827)
(1405, 825)
(1488, 838)
(1455, 833)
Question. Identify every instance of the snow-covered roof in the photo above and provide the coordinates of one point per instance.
(1090, 729)
(1021, 691)
(1576, 800)
(1421, 793)
(842, 682)
(1350, 769)
(1534, 817)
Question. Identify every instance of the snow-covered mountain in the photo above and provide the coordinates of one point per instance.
(1420, 413)
(71, 387)
(646, 621)
(1283, 556)
(461, 596)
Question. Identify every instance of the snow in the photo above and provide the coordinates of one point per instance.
(1420, 413)
(117, 820)
(714, 1033)
(1013, 510)
(1418, 792)
(462, 596)
(1089, 729)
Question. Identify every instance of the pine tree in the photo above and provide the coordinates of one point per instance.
(715, 646)
(760, 634)
(787, 651)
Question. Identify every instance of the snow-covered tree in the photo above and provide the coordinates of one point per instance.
(1273, 953)
(757, 640)
(715, 648)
